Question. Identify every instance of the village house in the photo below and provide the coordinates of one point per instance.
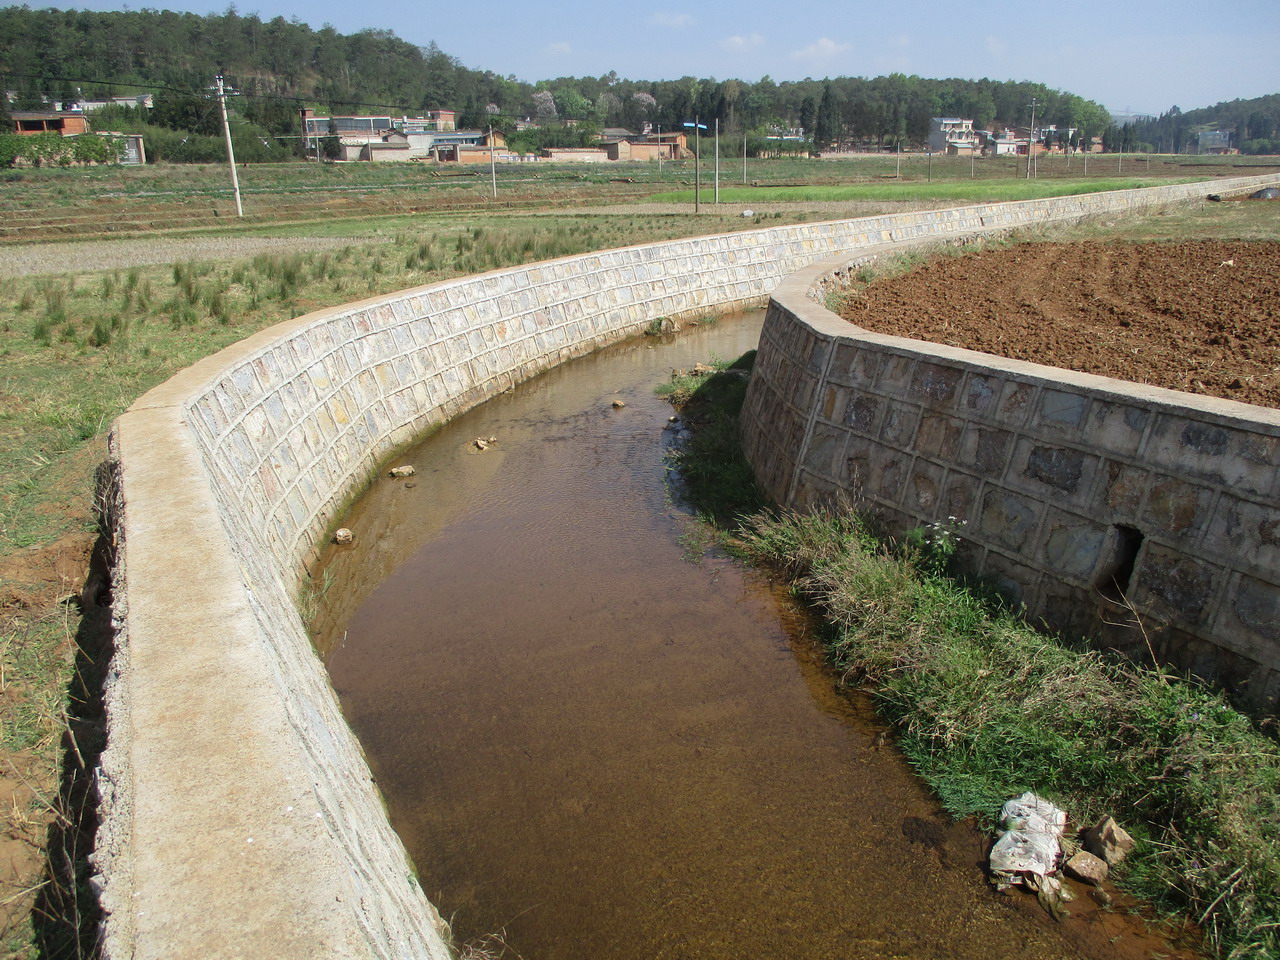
(953, 136)
(356, 132)
(30, 122)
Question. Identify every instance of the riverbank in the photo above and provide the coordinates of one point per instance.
(986, 708)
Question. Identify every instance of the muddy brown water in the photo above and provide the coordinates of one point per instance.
(597, 747)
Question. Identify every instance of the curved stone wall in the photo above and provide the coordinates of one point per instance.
(238, 815)
(1088, 500)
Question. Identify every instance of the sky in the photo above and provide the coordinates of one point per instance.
(1132, 56)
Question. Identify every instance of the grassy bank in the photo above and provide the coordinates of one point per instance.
(986, 708)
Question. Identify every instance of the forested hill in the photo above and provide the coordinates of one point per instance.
(48, 55)
(1254, 126)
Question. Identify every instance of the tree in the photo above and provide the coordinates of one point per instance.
(544, 105)
(808, 112)
(331, 146)
(185, 111)
(826, 128)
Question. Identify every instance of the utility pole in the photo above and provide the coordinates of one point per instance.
(659, 151)
(717, 160)
(697, 163)
(231, 155)
(493, 169)
(744, 154)
(1031, 137)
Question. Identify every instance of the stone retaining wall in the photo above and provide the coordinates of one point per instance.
(1087, 500)
(238, 814)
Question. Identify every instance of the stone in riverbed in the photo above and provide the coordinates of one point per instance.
(1107, 841)
(1086, 867)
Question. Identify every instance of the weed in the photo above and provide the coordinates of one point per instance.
(55, 302)
(708, 467)
(930, 547)
(102, 332)
(312, 594)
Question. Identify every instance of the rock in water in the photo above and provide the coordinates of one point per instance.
(1086, 867)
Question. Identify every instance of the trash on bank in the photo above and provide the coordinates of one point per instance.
(1029, 844)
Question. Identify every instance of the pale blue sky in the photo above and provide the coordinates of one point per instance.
(1129, 55)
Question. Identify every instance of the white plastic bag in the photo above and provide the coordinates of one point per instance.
(1030, 841)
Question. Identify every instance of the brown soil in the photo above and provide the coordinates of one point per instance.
(1199, 316)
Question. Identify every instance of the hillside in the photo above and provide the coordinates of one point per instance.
(51, 55)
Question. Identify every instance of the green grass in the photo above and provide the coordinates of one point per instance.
(960, 191)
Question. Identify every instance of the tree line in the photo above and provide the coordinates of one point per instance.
(1252, 126)
(279, 65)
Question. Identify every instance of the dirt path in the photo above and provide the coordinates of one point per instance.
(1199, 316)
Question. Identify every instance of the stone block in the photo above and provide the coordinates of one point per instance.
(1061, 411)
(981, 392)
(1007, 519)
(819, 350)
(1116, 427)
(1174, 587)
(985, 450)
(895, 375)
(1177, 507)
(1124, 488)
(1259, 464)
(1059, 467)
(939, 436)
(925, 489)
(888, 476)
(865, 367)
(934, 384)
(959, 495)
(863, 412)
(899, 426)
(1244, 528)
(1256, 605)
(823, 445)
(1015, 582)
(1087, 868)
(1242, 459)
(1067, 609)
(1108, 841)
(1072, 546)
(1015, 402)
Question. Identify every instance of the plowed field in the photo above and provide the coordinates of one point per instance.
(1199, 316)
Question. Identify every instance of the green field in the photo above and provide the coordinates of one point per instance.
(957, 191)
